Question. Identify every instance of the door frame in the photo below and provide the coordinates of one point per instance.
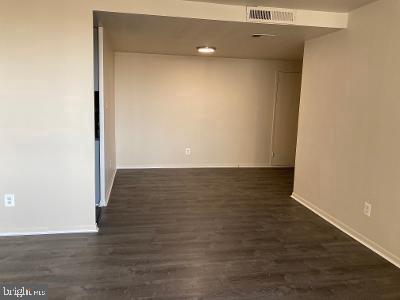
(101, 117)
(272, 154)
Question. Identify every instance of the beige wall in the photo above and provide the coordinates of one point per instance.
(46, 120)
(348, 143)
(109, 114)
(220, 108)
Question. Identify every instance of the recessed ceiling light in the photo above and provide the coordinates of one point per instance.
(256, 35)
(206, 49)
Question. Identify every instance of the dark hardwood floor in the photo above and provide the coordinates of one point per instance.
(202, 234)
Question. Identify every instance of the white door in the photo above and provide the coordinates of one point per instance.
(286, 115)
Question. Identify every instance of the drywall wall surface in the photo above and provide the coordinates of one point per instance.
(47, 119)
(348, 140)
(219, 108)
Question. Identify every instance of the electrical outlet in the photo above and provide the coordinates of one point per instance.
(9, 200)
(188, 151)
(367, 209)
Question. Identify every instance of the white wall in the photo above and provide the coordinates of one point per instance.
(348, 143)
(109, 114)
(220, 108)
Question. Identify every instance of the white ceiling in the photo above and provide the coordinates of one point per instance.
(181, 36)
(323, 5)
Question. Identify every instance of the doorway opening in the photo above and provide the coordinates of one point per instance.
(285, 119)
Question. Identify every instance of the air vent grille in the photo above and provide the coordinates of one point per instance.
(270, 15)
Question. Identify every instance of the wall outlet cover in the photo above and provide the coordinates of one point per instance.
(9, 200)
(367, 209)
(188, 151)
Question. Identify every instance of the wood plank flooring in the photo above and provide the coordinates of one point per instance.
(202, 234)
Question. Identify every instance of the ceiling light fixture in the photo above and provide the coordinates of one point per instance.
(206, 50)
(257, 35)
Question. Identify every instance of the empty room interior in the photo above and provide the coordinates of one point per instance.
(195, 149)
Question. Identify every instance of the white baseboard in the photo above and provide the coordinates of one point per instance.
(92, 229)
(108, 193)
(249, 166)
(350, 231)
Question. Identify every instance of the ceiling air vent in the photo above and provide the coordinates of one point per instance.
(270, 15)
